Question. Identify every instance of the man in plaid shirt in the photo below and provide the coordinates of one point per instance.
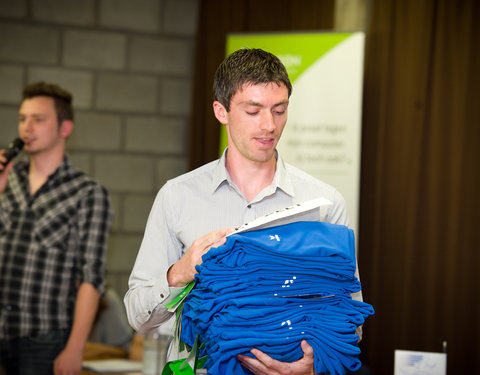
(54, 225)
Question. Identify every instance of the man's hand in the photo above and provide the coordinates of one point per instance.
(68, 362)
(183, 272)
(266, 365)
(4, 171)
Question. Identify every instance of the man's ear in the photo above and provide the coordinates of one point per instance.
(66, 128)
(220, 112)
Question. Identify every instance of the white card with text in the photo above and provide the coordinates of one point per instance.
(420, 363)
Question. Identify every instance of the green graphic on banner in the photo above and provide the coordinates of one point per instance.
(297, 51)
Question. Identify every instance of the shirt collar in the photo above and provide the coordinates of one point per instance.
(220, 174)
(64, 167)
(280, 180)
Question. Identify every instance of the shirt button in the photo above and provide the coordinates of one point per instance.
(161, 295)
(149, 312)
(249, 206)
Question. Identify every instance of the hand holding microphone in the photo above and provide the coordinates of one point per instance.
(5, 157)
(13, 149)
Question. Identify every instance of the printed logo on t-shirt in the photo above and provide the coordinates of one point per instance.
(275, 237)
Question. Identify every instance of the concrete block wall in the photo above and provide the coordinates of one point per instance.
(129, 66)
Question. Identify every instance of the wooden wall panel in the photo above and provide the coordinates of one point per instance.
(418, 258)
(419, 209)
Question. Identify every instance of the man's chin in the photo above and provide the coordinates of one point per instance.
(30, 150)
(263, 157)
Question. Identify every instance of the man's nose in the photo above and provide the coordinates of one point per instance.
(26, 124)
(268, 122)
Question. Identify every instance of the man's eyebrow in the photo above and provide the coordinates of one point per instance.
(32, 114)
(256, 104)
(251, 102)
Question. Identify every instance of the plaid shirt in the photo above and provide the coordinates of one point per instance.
(49, 243)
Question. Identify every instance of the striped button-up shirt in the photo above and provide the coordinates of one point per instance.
(201, 201)
(50, 242)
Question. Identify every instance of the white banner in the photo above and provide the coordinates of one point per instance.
(323, 133)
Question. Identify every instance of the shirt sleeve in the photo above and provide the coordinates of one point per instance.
(148, 286)
(338, 214)
(94, 223)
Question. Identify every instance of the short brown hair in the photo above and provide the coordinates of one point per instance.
(63, 99)
(247, 65)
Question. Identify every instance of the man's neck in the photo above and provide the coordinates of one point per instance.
(251, 177)
(42, 165)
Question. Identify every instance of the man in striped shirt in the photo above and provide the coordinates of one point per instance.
(196, 211)
(54, 225)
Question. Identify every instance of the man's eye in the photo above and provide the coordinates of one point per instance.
(252, 113)
(279, 112)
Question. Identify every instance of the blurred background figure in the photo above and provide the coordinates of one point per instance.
(111, 326)
(54, 226)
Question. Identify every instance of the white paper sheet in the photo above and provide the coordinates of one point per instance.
(113, 365)
(284, 216)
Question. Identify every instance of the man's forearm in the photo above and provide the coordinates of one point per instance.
(69, 361)
(85, 310)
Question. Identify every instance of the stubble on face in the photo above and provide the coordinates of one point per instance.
(258, 114)
(38, 124)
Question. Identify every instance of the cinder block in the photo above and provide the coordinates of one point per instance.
(136, 209)
(82, 160)
(95, 131)
(175, 96)
(122, 251)
(70, 12)
(161, 55)
(170, 167)
(11, 78)
(116, 203)
(140, 15)
(79, 83)
(127, 93)
(90, 49)
(118, 280)
(13, 8)
(180, 17)
(161, 135)
(9, 124)
(22, 43)
(125, 173)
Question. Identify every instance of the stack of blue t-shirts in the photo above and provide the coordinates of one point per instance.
(272, 288)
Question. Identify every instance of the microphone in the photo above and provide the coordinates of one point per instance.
(13, 149)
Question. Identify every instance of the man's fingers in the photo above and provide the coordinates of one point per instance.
(215, 238)
(3, 159)
(221, 241)
(306, 348)
(219, 235)
(253, 364)
(266, 360)
(263, 364)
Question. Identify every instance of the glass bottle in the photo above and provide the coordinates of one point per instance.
(155, 347)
